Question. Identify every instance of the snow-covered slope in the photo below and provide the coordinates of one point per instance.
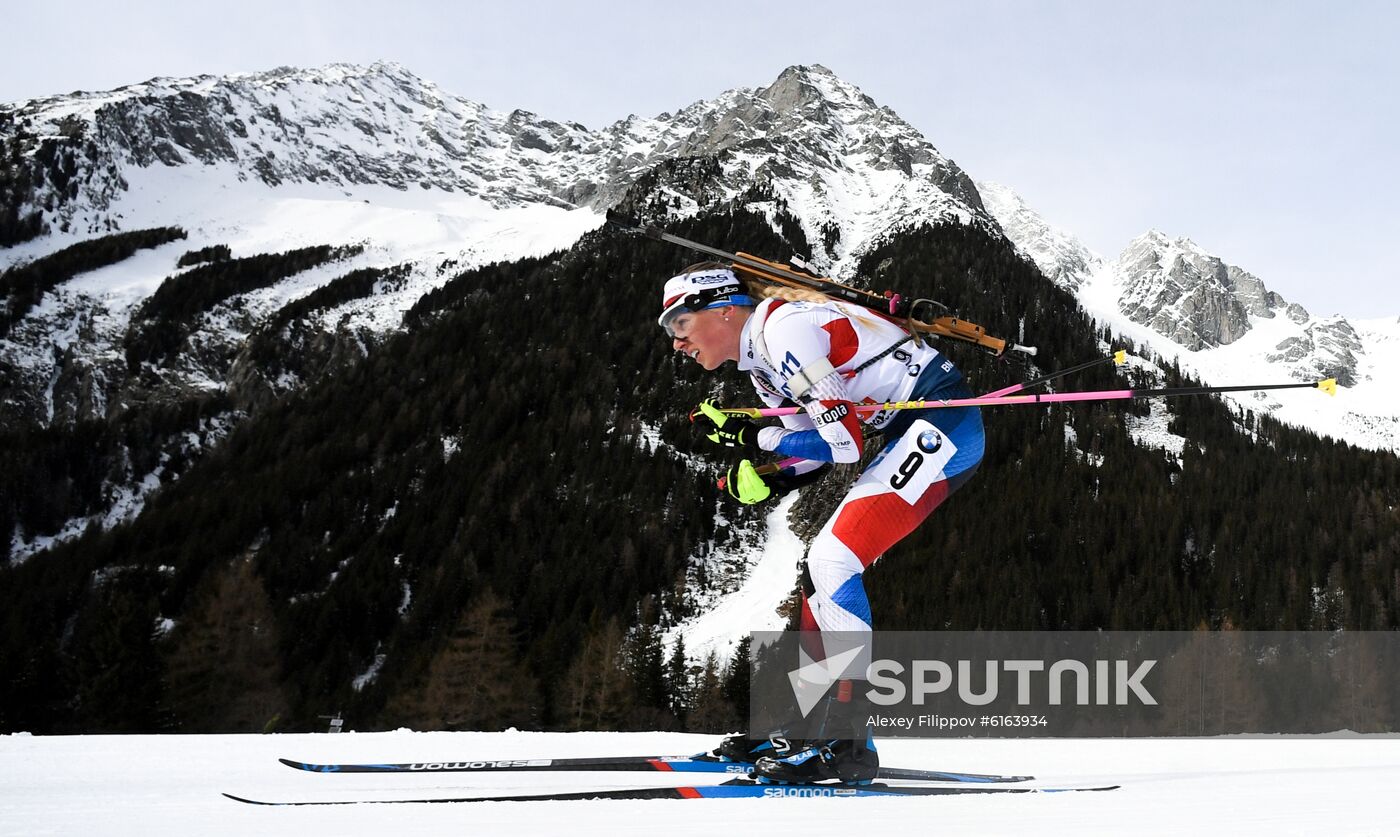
(744, 590)
(1058, 254)
(171, 784)
(271, 161)
(1224, 326)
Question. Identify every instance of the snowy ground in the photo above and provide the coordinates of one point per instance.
(157, 785)
(772, 570)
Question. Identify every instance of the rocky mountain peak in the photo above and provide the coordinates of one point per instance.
(1225, 315)
(806, 89)
(1328, 348)
(809, 138)
(1059, 255)
(812, 141)
(1175, 287)
(1178, 289)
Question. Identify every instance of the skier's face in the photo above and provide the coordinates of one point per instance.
(708, 337)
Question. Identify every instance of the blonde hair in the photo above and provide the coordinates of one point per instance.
(760, 290)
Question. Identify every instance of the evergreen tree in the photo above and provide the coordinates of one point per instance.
(597, 692)
(221, 670)
(712, 711)
(476, 681)
(679, 688)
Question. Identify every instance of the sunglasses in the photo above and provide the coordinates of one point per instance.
(702, 301)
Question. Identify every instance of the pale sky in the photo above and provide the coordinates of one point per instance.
(1266, 132)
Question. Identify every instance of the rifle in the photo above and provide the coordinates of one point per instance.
(919, 316)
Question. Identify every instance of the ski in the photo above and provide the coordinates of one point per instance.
(733, 789)
(665, 764)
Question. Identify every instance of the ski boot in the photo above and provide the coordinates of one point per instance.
(742, 748)
(844, 752)
(844, 761)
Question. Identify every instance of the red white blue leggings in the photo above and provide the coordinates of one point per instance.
(915, 473)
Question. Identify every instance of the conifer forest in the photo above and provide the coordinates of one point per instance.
(472, 509)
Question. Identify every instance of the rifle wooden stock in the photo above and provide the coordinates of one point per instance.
(952, 327)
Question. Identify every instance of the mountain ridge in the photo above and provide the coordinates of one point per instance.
(379, 153)
(1222, 323)
(283, 158)
(463, 429)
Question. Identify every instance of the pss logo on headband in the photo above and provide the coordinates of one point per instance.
(930, 441)
(711, 278)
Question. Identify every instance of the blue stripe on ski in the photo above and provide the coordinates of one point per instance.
(746, 790)
(734, 789)
(699, 763)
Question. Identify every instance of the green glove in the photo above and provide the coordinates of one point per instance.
(722, 429)
(746, 485)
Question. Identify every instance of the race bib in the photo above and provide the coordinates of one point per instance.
(916, 461)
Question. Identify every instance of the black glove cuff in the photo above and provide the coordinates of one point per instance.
(748, 436)
(783, 483)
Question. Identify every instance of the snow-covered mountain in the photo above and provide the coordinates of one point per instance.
(1223, 324)
(398, 173)
(1177, 289)
(851, 170)
(402, 173)
(423, 185)
(381, 160)
(1058, 254)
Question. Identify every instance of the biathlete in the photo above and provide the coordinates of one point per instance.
(804, 349)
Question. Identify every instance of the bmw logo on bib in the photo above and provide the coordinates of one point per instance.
(930, 441)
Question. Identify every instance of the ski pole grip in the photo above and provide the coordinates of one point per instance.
(762, 470)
